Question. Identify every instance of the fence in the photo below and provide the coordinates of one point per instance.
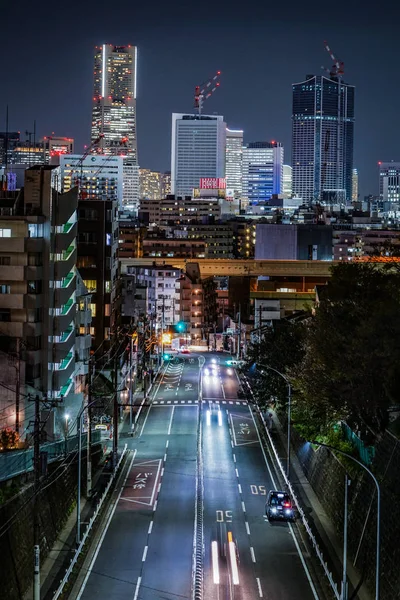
(14, 463)
(366, 453)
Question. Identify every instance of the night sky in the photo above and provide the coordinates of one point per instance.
(260, 47)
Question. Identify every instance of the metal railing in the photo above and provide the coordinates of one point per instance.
(78, 551)
(312, 539)
(14, 463)
(366, 453)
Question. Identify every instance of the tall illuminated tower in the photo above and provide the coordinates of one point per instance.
(114, 99)
(233, 164)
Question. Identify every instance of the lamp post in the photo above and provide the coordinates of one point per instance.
(378, 513)
(66, 417)
(289, 387)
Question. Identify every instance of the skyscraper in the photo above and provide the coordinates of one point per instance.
(114, 99)
(262, 171)
(114, 112)
(389, 182)
(354, 193)
(100, 176)
(322, 139)
(287, 181)
(198, 150)
(233, 165)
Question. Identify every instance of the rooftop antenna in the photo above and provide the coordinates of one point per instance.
(203, 91)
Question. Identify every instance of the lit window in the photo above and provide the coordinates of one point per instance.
(5, 232)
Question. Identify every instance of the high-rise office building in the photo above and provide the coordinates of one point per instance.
(100, 176)
(166, 184)
(322, 139)
(150, 184)
(389, 182)
(262, 171)
(114, 112)
(233, 165)
(198, 150)
(287, 181)
(114, 99)
(354, 193)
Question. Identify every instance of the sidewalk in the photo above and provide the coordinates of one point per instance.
(317, 517)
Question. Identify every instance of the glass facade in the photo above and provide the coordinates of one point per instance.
(322, 139)
(114, 99)
(262, 171)
(198, 150)
(233, 166)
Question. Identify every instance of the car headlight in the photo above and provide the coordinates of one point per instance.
(288, 511)
(274, 511)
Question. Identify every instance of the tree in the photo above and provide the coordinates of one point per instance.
(9, 438)
(352, 351)
(281, 347)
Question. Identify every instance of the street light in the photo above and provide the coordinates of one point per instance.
(66, 417)
(289, 411)
(378, 512)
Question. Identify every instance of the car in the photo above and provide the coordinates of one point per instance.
(185, 350)
(279, 506)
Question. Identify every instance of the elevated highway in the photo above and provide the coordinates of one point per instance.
(240, 267)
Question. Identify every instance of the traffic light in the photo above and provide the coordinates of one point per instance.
(166, 338)
(229, 363)
(180, 326)
(166, 356)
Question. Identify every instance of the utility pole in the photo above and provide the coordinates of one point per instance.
(36, 469)
(130, 382)
(17, 384)
(162, 329)
(89, 433)
(115, 412)
(239, 334)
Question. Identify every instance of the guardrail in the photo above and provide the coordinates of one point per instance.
(68, 572)
(14, 463)
(318, 551)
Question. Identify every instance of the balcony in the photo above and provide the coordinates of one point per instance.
(64, 266)
(65, 239)
(64, 343)
(12, 329)
(32, 301)
(84, 317)
(62, 321)
(64, 372)
(83, 343)
(11, 301)
(64, 292)
(12, 273)
(33, 273)
(32, 329)
(13, 244)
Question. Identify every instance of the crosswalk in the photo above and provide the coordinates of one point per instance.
(193, 402)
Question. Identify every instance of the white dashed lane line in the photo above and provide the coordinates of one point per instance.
(247, 528)
(150, 527)
(144, 553)
(253, 557)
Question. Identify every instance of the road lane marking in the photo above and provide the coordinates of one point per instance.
(237, 473)
(139, 579)
(259, 587)
(162, 471)
(165, 457)
(253, 557)
(145, 420)
(159, 488)
(240, 488)
(232, 443)
(234, 458)
(167, 444)
(303, 562)
(214, 554)
(175, 401)
(243, 506)
(170, 422)
(155, 506)
(144, 553)
(247, 528)
(103, 535)
(150, 527)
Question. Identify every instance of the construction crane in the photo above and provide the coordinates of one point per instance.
(336, 73)
(337, 69)
(204, 91)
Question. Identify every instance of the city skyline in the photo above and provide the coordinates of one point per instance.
(259, 102)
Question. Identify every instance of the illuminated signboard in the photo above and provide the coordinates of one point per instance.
(212, 183)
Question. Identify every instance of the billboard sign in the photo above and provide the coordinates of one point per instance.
(212, 183)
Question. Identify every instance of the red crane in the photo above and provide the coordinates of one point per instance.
(337, 69)
(203, 91)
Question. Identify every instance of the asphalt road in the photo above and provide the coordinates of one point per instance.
(146, 549)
